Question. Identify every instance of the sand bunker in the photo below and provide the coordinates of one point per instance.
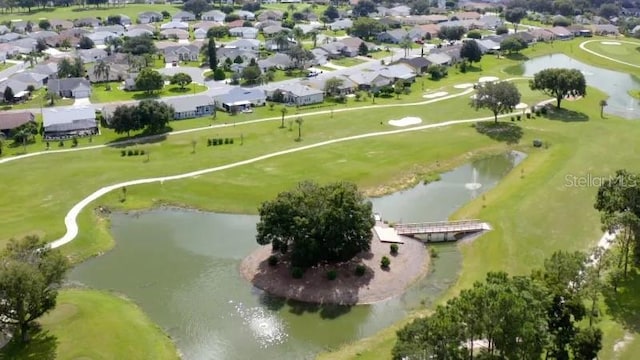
(463, 86)
(610, 43)
(488, 79)
(408, 121)
(435, 95)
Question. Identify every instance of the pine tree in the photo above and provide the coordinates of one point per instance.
(211, 49)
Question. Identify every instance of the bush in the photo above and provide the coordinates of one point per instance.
(360, 270)
(332, 275)
(136, 152)
(123, 153)
(220, 142)
(141, 152)
(537, 143)
(297, 272)
(273, 260)
(528, 115)
(231, 141)
(519, 117)
(543, 110)
(433, 252)
(385, 262)
(513, 118)
(61, 143)
(129, 152)
(74, 142)
(393, 249)
(226, 141)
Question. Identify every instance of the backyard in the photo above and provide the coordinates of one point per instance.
(100, 94)
(36, 101)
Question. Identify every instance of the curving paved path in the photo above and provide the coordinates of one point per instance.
(582, 46)
(70, 219)
(322, 112)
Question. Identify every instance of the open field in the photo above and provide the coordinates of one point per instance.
(99, 93)
(533, 210)
(623, 51)
(83, 326)
(78, 12)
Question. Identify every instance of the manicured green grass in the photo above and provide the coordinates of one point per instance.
(379, 54)
(6, 65)
(88, 324)
(623, 51)
(37, 100)
(324, 68)
(99, 94)
(78, 12)
(634, 93)
(280, 75)
(347, 61)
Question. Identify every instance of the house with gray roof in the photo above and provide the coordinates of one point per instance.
(488, 46)
(67, 123)
(246, 15)
(439, 59)
(116, 29)
(183, 16)
(341, 24)
(43, 35)
(100, 38)
(394, 36)
(59, 24)
(187, 107)
(9, 37)
(370, 80)
(200, 33)
(244, 32)
(50, 70)
(139, 32)
(419, 64)
(181, 52)
(70, 87)
(87, 22)
(149, 17)
(278, 61)
(238, 99)
(29, 77)
(270, 15)
(4, 29)
(91, 55)
(214, 15)
(273, 29)
(346, 87)
(245, 44)
(225, 53)
(175, 25)
(125, 20)
(175, 33)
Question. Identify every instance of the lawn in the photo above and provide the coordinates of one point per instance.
(623, 51)
(280, 75)
(78, 12)
(100, 94)
(83, 326)
(37, 101)
(347, 61)
(5, 65)
(379, 54)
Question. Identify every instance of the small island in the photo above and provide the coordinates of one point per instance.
(319, 247)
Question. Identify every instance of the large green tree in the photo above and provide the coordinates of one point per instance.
(197, 7)
(470, 51)
(317, 223)
(451, 32)
(68, 68)
(559, 83)
(30, 275)
(498, 97)
(365, 27)
(513, 44)
(514, 16)
(149, 80)
(181, 79)
(153, 115)
(123, 120)
(139, 45)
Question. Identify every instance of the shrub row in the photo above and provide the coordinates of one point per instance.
(214, 142)
(130, 152)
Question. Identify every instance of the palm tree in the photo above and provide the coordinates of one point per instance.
(281, 40)
(102, 69)
(283, 111)
(406, 45)
(298, 34)
(51, 97)
(603, 103)
(314, 37)
(299, 121)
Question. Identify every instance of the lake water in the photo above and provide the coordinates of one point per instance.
(613, 83)
(181, 267)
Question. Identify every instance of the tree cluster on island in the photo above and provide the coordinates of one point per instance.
(313, 224)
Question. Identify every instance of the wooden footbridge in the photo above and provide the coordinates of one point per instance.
(442, 228)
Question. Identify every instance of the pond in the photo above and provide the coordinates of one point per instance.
(613, 83)
(181, 267)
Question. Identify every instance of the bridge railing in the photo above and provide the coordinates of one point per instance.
(440, 226)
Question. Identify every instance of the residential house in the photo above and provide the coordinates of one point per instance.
(125, 20)
(390, 22)
(246, 15)
(175, 25)
(50, 70)
(453, 51)
(307, 28)
(66, 123)
(206, 25)
(183, 16)
(181, 52)
(91, 55)
(10, 121)
(487, 46)
(214, 15)
(187, 107)
(436, 19)
(238, 99)
(263, 24)
(351, 46)
(4, 29)
(149, 17)
(116, 29)
(25, 45)
(397, 72)
(224, 53)
(319, 56)
(270, 15)
(342, 24)
(297, 94)
(491, 21)
(370, 80)
(245, 44)
(15, 85)
(44, 35)
(70, 87)
(279, 61)
(419, 64)
(175, 34)
(138, 32)
(466, 15)
(87, 22)
(100, 38)
(200, 33)
(20, 26)
(273, 29)
(244, 32)
(439, 59)
(561, 33)
(9, 37)
(431, 29)
(542, 34)
(235, 24)
(394, 36)
(347, 86)
(117, 72)
(417, 33)
(59, 25)
(37, 80)
(605, 29)
(401, 10)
